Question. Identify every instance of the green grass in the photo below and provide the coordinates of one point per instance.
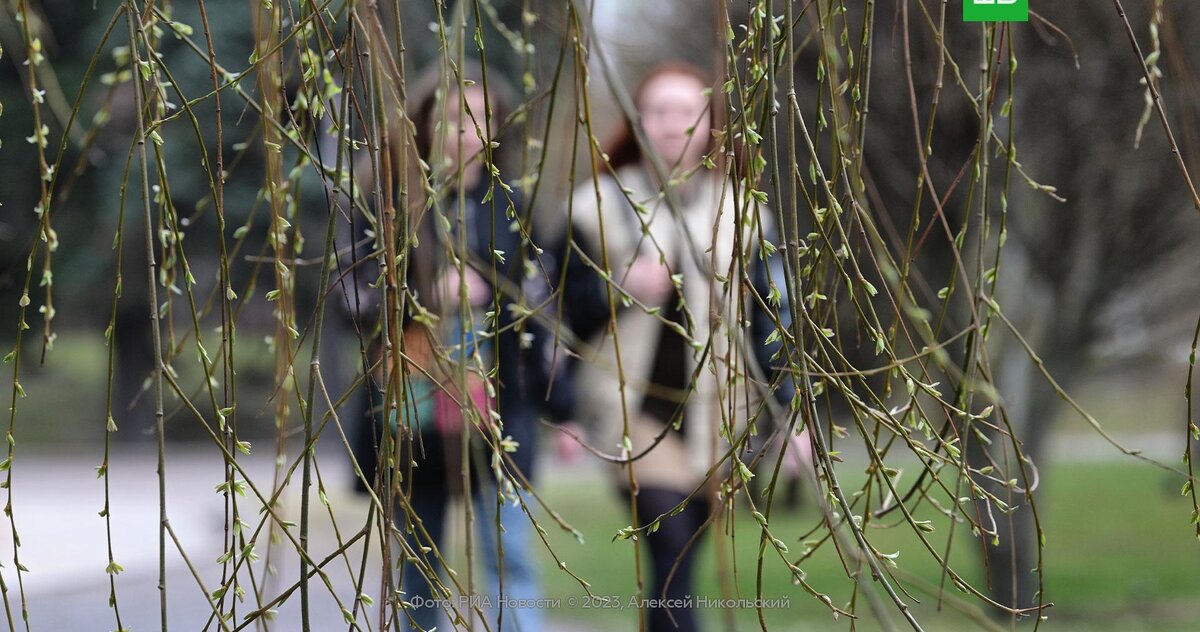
(1120, 556)
(65, 399)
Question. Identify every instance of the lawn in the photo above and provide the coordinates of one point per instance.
(1120, 555)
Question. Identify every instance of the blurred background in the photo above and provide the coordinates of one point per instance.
(1102, 275)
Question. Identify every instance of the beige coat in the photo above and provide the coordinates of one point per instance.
(708, 215)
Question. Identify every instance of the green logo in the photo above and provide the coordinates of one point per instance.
(995, 10)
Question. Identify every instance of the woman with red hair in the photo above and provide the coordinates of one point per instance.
(661, 239)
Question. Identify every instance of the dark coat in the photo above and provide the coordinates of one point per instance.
(522, 372)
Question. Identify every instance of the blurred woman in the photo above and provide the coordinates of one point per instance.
(667, 382)
(463, 370)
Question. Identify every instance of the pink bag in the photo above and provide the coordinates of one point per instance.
(448, 413)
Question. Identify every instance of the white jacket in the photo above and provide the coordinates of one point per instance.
(700, 244)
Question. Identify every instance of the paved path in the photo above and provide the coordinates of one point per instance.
(57, 499)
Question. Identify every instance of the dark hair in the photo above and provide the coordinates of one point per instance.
(419, 107)
(624, 148)
(400, 154)
(470, 75)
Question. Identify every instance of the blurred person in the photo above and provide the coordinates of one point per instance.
(666, 367)
(506, 378)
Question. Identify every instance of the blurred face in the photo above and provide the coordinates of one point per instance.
(674, 110)
(460, 128)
